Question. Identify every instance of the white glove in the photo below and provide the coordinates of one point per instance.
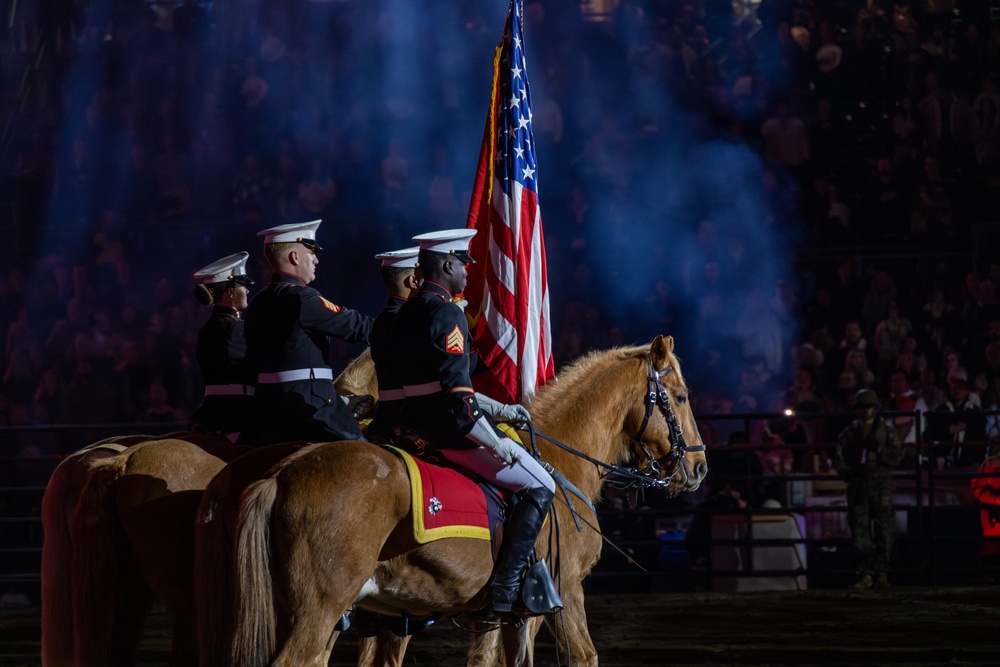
(513, 413)
(505, 449)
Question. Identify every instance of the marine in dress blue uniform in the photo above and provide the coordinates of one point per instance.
(288, 331)
(430, 337)
(222, 348)
(398, 270)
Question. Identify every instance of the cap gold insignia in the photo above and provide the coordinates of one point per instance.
(455, 342)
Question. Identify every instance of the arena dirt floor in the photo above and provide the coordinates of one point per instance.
(902, 626)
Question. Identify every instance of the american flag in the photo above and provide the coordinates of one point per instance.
(508, 286)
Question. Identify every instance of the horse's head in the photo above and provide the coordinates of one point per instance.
(358, 379)
(661, 427)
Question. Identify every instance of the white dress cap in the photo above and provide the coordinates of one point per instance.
(228, 268)
(400, 259)
(296, 232)
(449, 241)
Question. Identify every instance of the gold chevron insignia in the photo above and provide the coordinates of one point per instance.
(330, 305)
(455, 341)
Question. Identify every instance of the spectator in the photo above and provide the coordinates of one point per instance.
(845, 391)
(86, 398)
(856, 363)
(785, 139)
(881, 292)
(932, 210)
(903, 398)
(986, 114)
(317, 191)
(958, 421)
(930, 390)
(846, 293)
(990, 400)
(171, 169)
(887, 199)
(804, 390)
(251, 190)
(978, 317)
(890, 337)
(906, 363)
(904, 121)
(937, 323)
(159, 409)
(951, 362)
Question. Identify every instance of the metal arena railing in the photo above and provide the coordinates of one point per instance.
(755, 527)
(750, 526)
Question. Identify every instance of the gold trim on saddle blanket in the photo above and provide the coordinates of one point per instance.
(421, 533)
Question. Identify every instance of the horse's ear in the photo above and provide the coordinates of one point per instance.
(660, 350)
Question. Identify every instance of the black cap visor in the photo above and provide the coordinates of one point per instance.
(242, 279)
(309, 243)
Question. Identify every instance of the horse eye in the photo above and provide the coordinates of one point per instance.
(682, 398)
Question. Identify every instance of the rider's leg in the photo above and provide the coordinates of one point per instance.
(535, 488)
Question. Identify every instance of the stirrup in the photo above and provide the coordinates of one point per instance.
(501, 601)
(478, 622)
(538, 591)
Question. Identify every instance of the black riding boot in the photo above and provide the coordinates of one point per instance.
(520, 533)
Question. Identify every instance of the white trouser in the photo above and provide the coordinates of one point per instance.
(526, 473)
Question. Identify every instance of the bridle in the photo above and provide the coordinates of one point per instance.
(650, 474)
(658, 398)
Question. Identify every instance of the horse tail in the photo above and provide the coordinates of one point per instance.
(97, 568)
(256, 636)
(61, 495)
(57, 612)
(213, 584)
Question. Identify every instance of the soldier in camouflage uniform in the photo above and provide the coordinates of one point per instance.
(866, 452)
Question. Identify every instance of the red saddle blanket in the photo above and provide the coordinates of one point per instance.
(446, 503)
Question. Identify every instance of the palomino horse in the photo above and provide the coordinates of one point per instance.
(330, 526)
(216, 520)
(133, 538)
(215, 528)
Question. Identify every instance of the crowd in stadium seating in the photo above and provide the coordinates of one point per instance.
(878, 125)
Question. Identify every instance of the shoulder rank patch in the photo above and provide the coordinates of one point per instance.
(330, 305)
(455, 341)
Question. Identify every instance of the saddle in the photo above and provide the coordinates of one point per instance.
(447, 501)
(434, 480)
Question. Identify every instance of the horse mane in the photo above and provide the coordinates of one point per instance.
(580, 375)
(584, 403)
(113, 465)
(358, 378)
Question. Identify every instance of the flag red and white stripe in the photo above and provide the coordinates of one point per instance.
(508, 286)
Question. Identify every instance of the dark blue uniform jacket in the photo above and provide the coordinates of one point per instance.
(390, 387)
(228, 378)
(431, 343)
(288, 331)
